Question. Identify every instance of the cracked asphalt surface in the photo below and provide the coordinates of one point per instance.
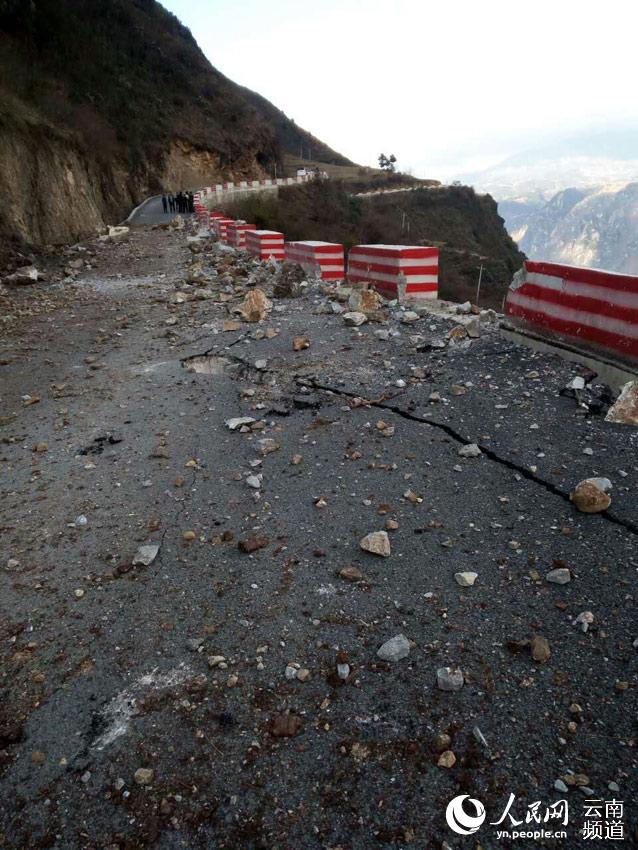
(109, 667)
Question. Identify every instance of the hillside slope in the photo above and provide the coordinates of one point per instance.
(105, 101)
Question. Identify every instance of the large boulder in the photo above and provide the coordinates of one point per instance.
(255, 307)
(25, 275)
(625, 410)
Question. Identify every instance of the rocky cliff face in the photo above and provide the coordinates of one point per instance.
(594, 228)
(103, 102)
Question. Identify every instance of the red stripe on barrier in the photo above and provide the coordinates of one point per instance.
(607, 339)
(582, 303)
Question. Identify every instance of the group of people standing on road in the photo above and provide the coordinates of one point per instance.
(182, 202)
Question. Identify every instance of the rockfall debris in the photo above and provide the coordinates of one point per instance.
(288, 563)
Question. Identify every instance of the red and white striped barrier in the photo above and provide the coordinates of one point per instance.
(322, 258)
(397, 271)
(265, 243)
(236, 233)
(585, 307)
(220, 227)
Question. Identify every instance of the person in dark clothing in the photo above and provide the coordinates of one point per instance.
(191, 202)
(165, 203)
(171, 202)
(180, 202)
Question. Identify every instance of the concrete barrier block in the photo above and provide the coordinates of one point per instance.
(265, 244)
(322, 258)
(594, 310)
(406, 272)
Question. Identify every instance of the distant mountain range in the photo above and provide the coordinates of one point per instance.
(573, 200)
(584, 227)
(586, 160)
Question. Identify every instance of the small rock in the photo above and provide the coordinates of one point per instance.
(354, 319)
(286, 725)
(350, 574)
(254, 481)
(299, 343)
(585, 619)
(252, 544)
(145, 555)
(394, 649)
(409, 316)
(447, 759)
(144, 776)
(377, 543)
(473, 328)
(238, 422)
(589, 497)
(465, 579)
(441, 742)
(471, 450)
(560, 786)
(561, 575)
(449, 679)
(539, 647)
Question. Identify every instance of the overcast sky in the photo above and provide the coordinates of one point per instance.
(447, 86)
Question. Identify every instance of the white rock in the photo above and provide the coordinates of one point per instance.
(471, 450)
(254, 481)
(354, 319)
(238, 421)
(561, 575)
(145, 555)
(394, 649)
(449, 679)
(465, 579)
(584, 620)
(27, 274)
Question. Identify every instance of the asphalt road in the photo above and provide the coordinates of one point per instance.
(151, 211)
(179, 667)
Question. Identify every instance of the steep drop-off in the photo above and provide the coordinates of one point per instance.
(593, 228)
(105, 101)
